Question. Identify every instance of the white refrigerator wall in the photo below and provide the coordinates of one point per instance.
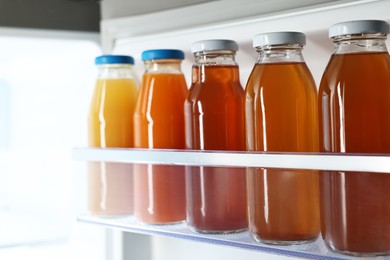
(239, 21)
(126, 35)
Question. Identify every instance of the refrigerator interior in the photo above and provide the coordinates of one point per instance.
(239, 21)
(45, 103)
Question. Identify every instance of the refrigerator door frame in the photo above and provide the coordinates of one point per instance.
(132, 35)
(233, 14)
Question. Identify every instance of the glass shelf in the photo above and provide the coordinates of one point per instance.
(316, 161)
(314, 250)
(320, 161)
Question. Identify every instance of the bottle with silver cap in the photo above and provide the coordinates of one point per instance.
(281, 116)
(354, 110)
(214, 120)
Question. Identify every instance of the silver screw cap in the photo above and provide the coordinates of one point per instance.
(279, 38)
(214, 45)
(358, 27)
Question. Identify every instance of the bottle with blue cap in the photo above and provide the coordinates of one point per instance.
(281, 116)
(159, 124)
(354, 106)
(214, 118)
(110, 124)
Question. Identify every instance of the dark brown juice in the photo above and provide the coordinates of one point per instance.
(281, 116)
(354, 102)
(214, 113)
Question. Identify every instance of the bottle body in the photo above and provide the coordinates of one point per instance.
(354, 107)
(281, 117)
(159, 123)
(214, 119)
(110, 124)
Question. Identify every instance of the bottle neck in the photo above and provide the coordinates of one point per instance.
(215, 66)
(360, 43)
(111, 71)
(279, 54)
(221, 57)
(171, 66)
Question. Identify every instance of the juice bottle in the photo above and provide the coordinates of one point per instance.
(110, 124)
(214, 119)
(354, 107)
(159, 123)
(281, 116)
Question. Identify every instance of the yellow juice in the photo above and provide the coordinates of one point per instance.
(110, 124)
(111, 113)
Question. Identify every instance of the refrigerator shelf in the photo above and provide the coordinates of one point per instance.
(313, 250)
(320, 161)
(316, 161)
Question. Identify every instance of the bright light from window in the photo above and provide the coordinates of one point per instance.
(45, 89)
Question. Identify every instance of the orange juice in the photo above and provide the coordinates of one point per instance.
(159, 123)
(110, 124)
(159, 116)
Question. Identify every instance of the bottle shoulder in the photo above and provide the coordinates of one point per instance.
(350, 70)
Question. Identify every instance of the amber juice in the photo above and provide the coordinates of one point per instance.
(354, 102)
(281, 116)
(214, 117)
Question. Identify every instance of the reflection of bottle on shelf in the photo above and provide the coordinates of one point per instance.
(281, 116)
(110, 124)
(214, 117)
(159, 123)
(354, 101)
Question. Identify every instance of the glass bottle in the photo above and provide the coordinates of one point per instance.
(159, 123)
(214, 120)
(281, 116)
(110, 124)
(354, 110)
